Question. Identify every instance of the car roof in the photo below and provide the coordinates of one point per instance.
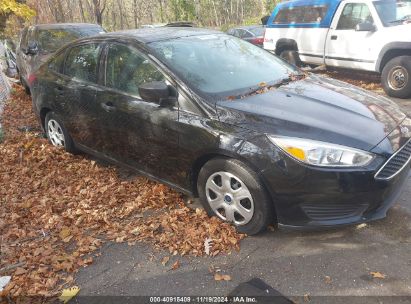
(249, 27)
(64, 25)
(147, 35)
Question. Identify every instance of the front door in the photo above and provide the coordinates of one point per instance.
(346, 47)
(139, 133)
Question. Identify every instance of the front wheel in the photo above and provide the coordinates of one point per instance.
(396, 77)
(232, 191)
(57, 133)
(291, 57)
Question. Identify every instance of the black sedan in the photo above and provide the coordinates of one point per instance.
(256, 139)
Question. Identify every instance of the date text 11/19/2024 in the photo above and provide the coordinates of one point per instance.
(193, 300)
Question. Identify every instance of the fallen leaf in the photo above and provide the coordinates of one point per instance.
(20, 271)
(68, 294)
(222, 277)
(165, 260)
(327, 279)
(64, 233)
(307, 297)
(176, 265)
(378, 275)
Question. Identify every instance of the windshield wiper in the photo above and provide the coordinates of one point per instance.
(405, 18)
(264, 87)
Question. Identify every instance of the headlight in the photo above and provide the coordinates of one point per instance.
(322, 154)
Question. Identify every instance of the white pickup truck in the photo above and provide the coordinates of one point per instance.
(369, 35)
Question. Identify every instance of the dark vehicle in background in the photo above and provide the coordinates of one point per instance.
(253, 34)
(39, 42)
(255, 138)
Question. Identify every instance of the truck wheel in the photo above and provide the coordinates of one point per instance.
(291, 57)
(396, 77)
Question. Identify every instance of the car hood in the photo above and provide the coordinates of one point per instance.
(317, 108)
(398, 32)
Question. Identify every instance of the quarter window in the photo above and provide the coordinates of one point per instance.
(353, 14)
(301, 14)
(82, 62)
(127, 69)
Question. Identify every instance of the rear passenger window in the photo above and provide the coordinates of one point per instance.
(82, 62)
(127, 69)
(301, 14)
(353, 14)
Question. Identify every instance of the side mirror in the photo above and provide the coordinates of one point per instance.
(365, 27)
(32, 48)
(157, 92)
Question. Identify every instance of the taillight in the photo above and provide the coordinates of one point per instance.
(32, 78)
(259, 40)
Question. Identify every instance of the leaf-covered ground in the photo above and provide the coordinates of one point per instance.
(361, 79)
(57, 209)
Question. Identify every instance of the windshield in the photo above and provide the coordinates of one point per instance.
(51, 40)
(394, 12)
(219, 65)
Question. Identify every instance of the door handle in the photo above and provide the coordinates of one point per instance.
(334, 37)
(108, 106)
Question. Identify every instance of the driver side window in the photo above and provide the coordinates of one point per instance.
(353, 14)
(127, 69)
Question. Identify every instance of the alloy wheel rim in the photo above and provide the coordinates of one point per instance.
(398, 78)
(55, 133)
(230, 198)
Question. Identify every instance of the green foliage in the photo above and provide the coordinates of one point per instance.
(15, 8)
(226, 27)
(252, 21)
(182, 10)
(270, 4)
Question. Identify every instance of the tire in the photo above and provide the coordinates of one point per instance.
(57, 134)
(256, 206)
(291, 57)
(396, 77)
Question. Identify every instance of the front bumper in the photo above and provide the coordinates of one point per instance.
(307, 198)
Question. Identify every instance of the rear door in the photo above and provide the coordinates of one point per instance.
(76, 90)
(346, 47)
(139, 133)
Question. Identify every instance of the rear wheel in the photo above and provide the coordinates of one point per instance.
(57, 133)
(232, 191)
(396, 77)
(291, 57)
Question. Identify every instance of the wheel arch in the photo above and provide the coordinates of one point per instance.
(203, 159)
(209, 155)
(206, 157)
(391, 51)
(43, 114)
(285, 44)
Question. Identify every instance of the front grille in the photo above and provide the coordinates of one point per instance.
(333, 211)
(396, 163)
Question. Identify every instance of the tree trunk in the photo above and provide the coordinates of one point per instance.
(83, 16)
